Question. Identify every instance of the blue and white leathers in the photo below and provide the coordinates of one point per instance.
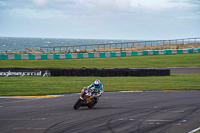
(100, 89)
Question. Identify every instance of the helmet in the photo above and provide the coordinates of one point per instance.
(97, 83)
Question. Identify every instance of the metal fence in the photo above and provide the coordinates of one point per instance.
(79, 48)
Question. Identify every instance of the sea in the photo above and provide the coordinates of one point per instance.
(18, 44)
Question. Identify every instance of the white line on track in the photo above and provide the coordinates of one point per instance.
(32, 119)
(125, 119)
(158, 120)
(20, 97)
(193, 131)
(17, 101)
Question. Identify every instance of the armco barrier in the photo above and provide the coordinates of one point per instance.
(84, 72)
(97, 55)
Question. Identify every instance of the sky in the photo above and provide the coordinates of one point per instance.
(100, 19)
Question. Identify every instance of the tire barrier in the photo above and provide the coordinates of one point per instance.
(110, 72)
(96, 55)
(85, 72)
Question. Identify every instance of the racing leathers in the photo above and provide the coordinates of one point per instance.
(97, 91)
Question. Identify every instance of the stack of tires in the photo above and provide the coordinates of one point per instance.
(110, 72)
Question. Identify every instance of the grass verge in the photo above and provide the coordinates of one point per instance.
(27, 86)
(151, 61)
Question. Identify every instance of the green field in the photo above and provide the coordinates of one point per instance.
(176, 60)
(61, 85)
(18, 86)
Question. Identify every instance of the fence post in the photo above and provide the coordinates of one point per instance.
(184, 41)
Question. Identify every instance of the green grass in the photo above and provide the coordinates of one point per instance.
(18, 86)
(153, 61)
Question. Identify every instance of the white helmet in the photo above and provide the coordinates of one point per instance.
(97, 83)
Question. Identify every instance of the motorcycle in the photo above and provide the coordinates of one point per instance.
(86, 98)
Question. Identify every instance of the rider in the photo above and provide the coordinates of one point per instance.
(98, 89)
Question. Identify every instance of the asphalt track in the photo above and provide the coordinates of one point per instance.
(185, 70)
(116, 112)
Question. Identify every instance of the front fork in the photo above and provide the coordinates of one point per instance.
(84, 100)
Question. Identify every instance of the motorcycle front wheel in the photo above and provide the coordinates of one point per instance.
(77, 104)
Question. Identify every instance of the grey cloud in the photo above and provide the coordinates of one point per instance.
(89, 8)
(196, 2)
(14, 4)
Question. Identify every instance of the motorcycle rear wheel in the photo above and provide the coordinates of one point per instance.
(92, 105)
(77, 104)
